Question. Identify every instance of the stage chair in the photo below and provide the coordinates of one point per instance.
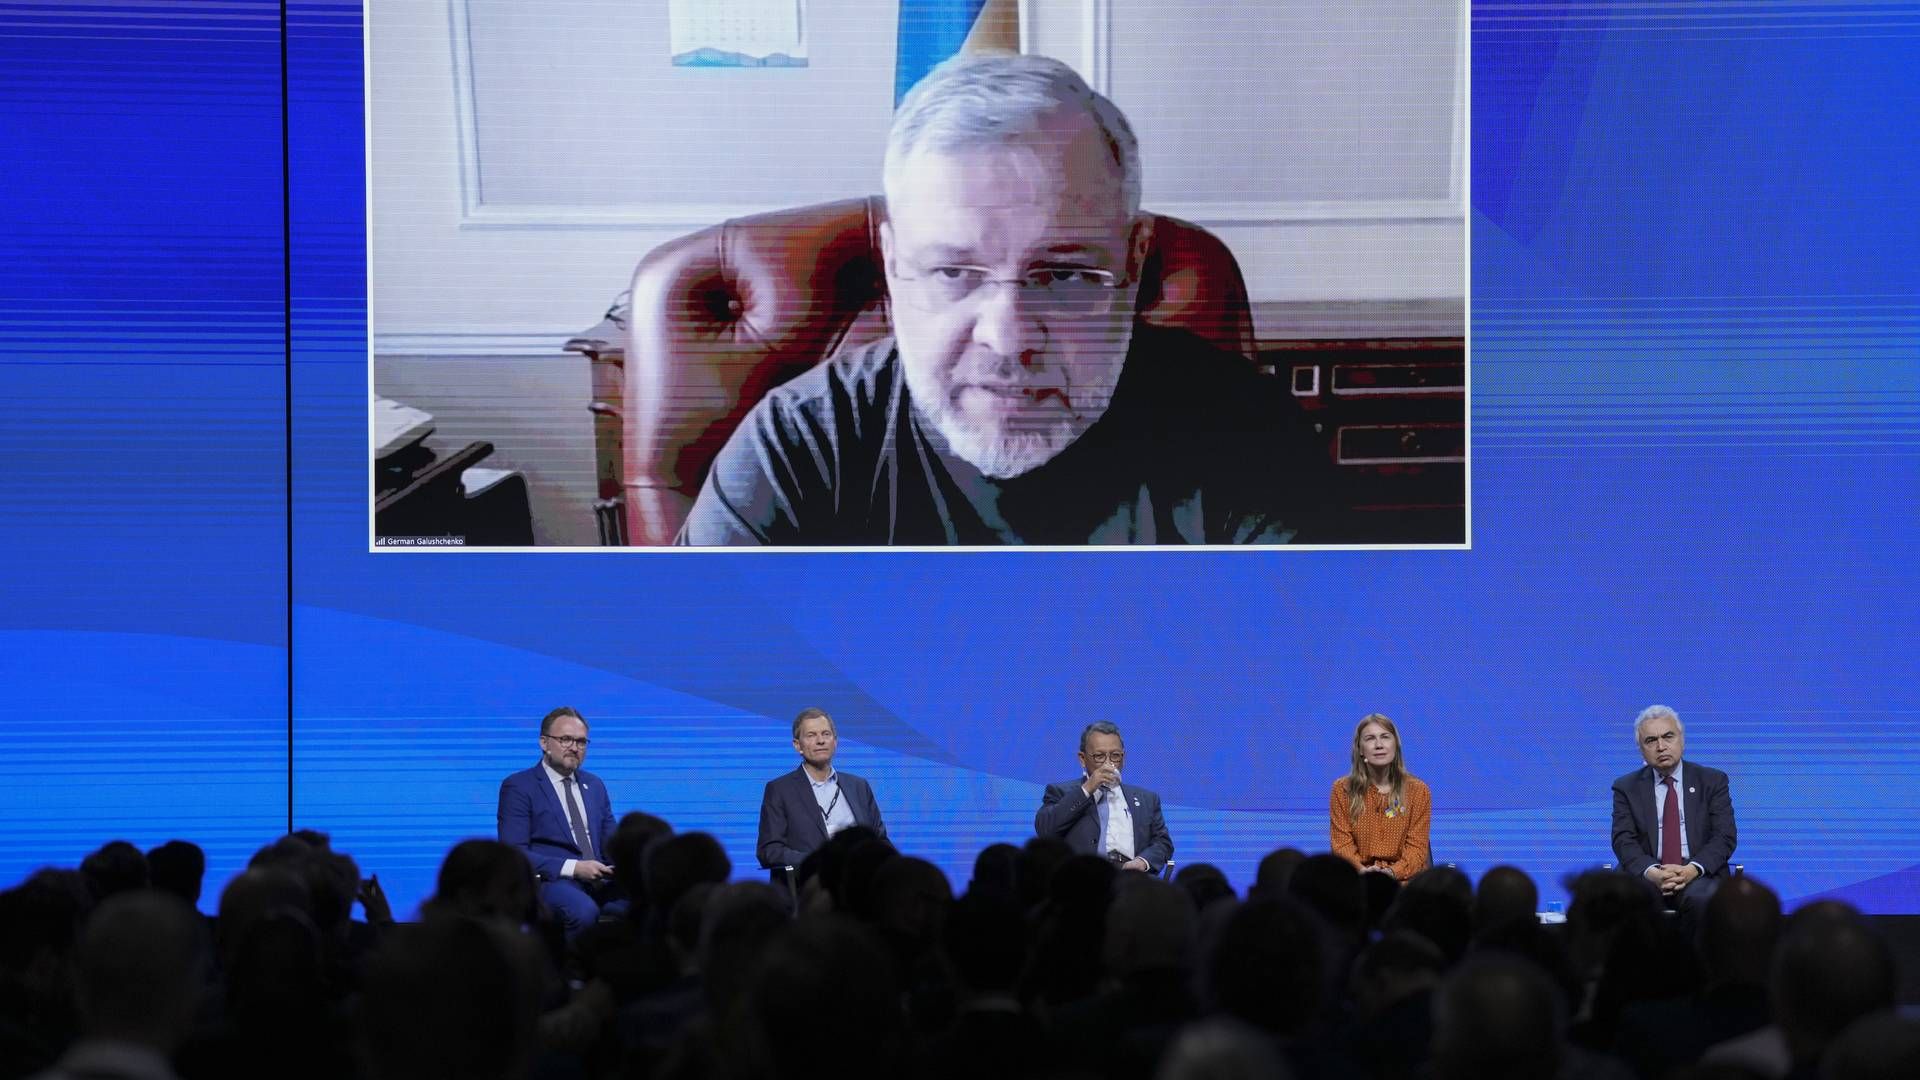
(718, 318)
(788, 876)
(1734, 869)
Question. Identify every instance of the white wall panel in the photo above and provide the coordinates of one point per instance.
(524, 156)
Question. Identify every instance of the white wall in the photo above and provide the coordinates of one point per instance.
(524, 155)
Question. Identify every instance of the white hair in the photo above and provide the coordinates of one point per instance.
(1657, 712)
(981, 99)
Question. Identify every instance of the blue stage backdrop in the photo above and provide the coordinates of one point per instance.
(1696, 462)
(143, 596)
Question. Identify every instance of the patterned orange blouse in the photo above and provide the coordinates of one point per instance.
(1399, 843)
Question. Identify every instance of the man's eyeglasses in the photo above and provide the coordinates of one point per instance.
(1067, 292)
(568, 741)
(1103, 757)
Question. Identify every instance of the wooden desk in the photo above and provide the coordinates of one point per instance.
(419, 494)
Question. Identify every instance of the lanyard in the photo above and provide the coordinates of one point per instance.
(827, 813)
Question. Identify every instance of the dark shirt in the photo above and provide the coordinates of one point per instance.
(1192, 450)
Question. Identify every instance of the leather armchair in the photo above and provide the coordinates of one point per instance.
(720, 317)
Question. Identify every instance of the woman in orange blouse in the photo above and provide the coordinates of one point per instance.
(1380, 813)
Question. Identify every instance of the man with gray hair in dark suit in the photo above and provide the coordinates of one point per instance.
(1672, 820)
(800, 810)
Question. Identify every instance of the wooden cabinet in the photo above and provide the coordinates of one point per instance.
(1389, 415)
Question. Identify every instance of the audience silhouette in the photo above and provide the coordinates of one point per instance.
(866, 964)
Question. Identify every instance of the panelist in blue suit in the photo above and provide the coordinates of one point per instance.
(801, 809)
(1099, 815)
(561, 816)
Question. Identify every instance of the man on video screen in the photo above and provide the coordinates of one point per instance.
(1019, 401)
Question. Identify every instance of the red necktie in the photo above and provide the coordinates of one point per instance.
(1670, 826)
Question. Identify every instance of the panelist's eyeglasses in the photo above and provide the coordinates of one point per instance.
(1067, 292)
(1103, 757)
(568, 741)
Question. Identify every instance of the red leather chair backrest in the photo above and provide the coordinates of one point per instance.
(720, 317)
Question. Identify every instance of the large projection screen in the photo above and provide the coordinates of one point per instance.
(1694, 322)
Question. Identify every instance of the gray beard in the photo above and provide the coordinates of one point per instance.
(1013, 449)
(1009, 453)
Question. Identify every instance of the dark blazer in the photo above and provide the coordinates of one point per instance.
(1066, 811)
(790, 824)
(532, 819)
(1706, 805)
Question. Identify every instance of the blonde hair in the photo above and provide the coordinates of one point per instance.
(1358, 780)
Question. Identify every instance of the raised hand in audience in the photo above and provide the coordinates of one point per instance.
(373, 900)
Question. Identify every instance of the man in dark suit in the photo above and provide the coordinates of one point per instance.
(801, 809)
(1685, 858)
(561, 817)
(1098, 815)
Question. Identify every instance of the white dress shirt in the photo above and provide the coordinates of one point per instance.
(559, 783)
(835, 812)
(1119, 835)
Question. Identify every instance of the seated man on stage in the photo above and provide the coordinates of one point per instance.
(1097, 815)
(1673, 820)
(1018, 400)
(801, 809)
(561, 817)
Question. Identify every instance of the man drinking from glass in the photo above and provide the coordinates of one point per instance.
(1098, 815)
